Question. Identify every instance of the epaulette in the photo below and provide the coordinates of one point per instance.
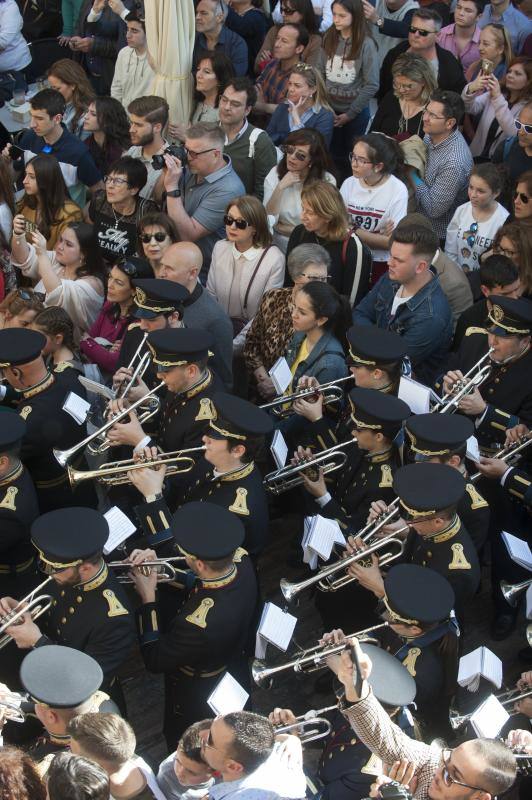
(473, 329)
(133, 325)
(62, 366)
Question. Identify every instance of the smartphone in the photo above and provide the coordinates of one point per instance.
(487, 66)
(16, 152)
(29, 226)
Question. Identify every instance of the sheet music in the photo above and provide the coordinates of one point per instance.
(120, 529)
(77, 407)
(227, 696)
(472, 449)
(277, 626)
(481, 662)
(489, 718)
(96, 388)
(279, 449)
(281, 375)
(415, 395)
(518, 549)
(324, 534)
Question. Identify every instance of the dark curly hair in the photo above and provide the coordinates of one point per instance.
(113, 120)
(19, 779)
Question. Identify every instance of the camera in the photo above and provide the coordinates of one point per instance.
(176, 150)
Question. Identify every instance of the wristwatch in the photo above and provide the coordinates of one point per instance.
(174, 193)
(379, 22)
(152, 498)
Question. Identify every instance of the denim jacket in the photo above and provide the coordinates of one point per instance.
(424, 322)
(326, 361)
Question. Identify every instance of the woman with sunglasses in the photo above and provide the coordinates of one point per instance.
(496, 105)
(306, 106)
(474, 224)
(19, 307)
(523, 199)
(245, 265)
(513, 240)
(400, 112)
(305, 159)
(156, 232)
(295, 11)
(101, 344)
(71, 276)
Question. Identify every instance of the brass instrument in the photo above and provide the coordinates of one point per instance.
(508, 453)
(138, 370)
(64, 456)
(115, 473)
(10, 707)
(166, 572)
(34, 604)
(310, 660)
(309, 726)
(507, 698)
(332, 393)
(473, 378)
(286, 478)
(512, 591)
(322, 576)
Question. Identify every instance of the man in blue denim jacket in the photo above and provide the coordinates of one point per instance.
(410, 301)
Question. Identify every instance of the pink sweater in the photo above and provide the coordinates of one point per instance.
(113, 331)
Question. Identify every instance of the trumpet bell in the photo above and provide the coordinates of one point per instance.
(261, 674)
(512, 591)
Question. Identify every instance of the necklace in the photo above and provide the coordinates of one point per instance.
(119, 219)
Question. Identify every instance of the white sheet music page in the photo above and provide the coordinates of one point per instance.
(324, 534)
(279, 449)
(415, 395)
(281, 375)
(518, 549)
(96, 388)
(469, 669)
(310, 557)
(277, 626)
(227, 696)
(77, 407)
(489, 718)
(120, 529)
(472, 449)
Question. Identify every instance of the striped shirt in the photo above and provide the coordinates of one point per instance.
(273, 82)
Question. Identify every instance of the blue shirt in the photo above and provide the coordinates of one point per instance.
(515, 22)
(280, 124)
(230, 43)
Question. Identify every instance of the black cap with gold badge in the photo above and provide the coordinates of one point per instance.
(370, 346)
(424, 489)
(20, 346)
(431, 435)
(237, 419)
(60, 677)
(155, 296)
(207, 531)
(67, 536)
(176, 347)
(417, 594)
(510, 316)
(382, 413)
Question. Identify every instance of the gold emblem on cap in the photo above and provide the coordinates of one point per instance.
(140, 295)
(497, 313)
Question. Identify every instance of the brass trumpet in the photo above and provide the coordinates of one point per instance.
(330, 460)
(322, 576)
(473, 378)
(507, 698)
(11, 703)
(310, 660)
(115, 473)
(309, 726)
(332, 393)
(138, 370)
(512, 591)
(508, 453)
(34, 604)
(64, 456)
(166, 572)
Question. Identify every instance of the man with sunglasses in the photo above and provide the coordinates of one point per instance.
(196, 199)
(479, 769)
(422, 41)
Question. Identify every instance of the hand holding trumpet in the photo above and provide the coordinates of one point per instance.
(368, 576)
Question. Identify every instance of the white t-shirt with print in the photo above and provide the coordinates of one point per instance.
(369, 208)
(463, 226)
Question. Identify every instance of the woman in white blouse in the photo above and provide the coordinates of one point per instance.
(70, 276)
(305, 159)
(245, 265)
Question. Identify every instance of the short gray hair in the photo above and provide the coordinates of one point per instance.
(207, 130)
(305, 254)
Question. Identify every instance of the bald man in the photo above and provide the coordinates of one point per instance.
(182, 263)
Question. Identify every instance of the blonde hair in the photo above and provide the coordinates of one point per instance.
(326, 202)
(104, 737)
(416, 68)
(315, 82)
(503, 40)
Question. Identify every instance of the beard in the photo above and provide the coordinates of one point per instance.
(146, 139)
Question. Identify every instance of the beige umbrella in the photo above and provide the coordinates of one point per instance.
(170, 28)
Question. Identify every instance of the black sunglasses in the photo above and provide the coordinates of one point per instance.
(241, 224)
(421, 31)
(290, 150)
(146, 238)
(524, 198)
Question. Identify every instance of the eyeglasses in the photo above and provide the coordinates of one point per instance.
(208, 743)
(241, 224)
(287, 10)
(421, 31)
(113, 181)
(403, 87)
(504, 251)
(354, 159)
(432, 115)
(321, 278)
(448, 779)
(521, 126)
(470, 237)
(195, 154)
(290, 150)
(524, 198)
(146, 238)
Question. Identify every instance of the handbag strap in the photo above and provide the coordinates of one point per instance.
(259, 262)
(358, 261)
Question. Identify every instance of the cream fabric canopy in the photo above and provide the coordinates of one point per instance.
(170, 28)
